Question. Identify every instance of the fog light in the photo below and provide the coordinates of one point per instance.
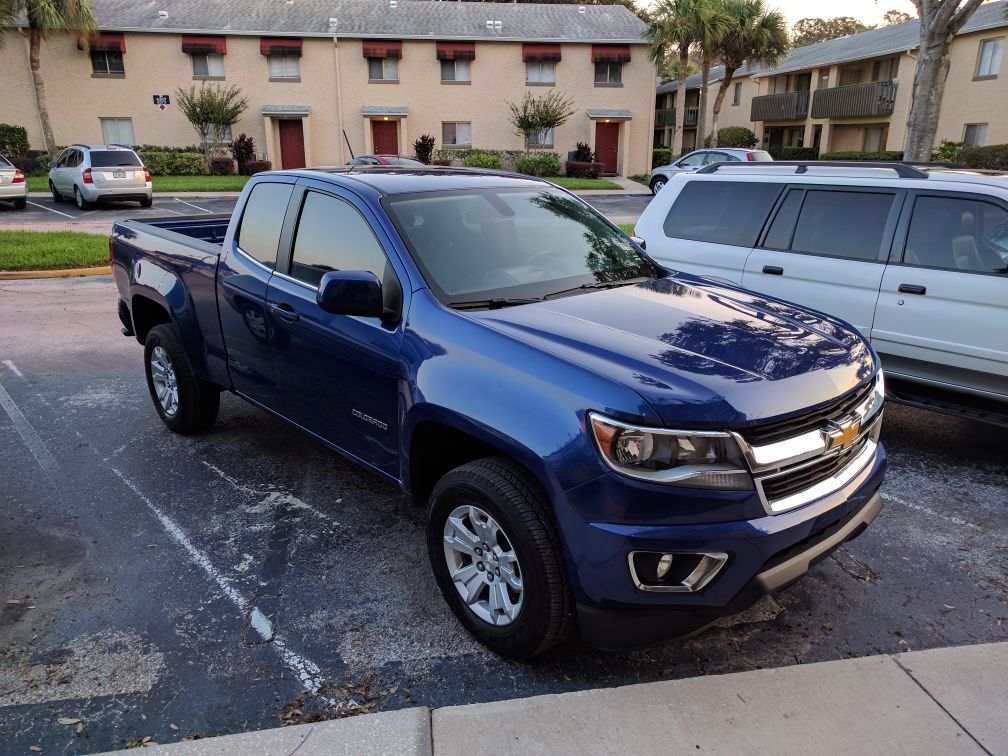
(674, 572)
(664, 565)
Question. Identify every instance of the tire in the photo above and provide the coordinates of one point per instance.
(195, 403)
(657, 184)
(82, 204)
(506, 492)
(56, 196)
(20, 204)
(146, 202)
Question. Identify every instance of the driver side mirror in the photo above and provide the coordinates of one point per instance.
(52, 164)
(351, 292)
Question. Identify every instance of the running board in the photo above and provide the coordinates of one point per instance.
(968, 407)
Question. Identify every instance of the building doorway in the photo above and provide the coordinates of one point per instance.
(385, 137)
(607, 145)
(292, 147)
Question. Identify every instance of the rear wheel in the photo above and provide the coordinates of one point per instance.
(146, 202)
(497, 557)
(20, 204)
(56, 196)
(82, 203)
(183, 402)
(657, 184)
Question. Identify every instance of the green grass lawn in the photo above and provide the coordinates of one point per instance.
(626, 228)
(170, 183)
(640, 178)
(52, 250)
(583, 183)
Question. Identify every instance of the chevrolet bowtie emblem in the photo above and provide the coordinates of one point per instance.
(840, 434)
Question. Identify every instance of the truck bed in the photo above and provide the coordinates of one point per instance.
(207, 228)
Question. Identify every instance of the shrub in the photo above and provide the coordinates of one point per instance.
(795, 153)
(578, 169)
(13, 140)
(583, 153)
(423, 148)
(545, 164)
(477, 159)
(243, 151)
(173, 163)
(948, 152)
(994, 157)
(660, 156)
(222, 166)
(443, 162)
(734, 136)
(885, 155)
(258, 166)
(165, 148)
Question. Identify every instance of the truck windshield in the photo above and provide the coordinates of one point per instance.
(512, 245)
(114, 159)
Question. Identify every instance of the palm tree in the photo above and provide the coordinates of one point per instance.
(671, 30)
(47, 17)
(711, 24)
(757, 36)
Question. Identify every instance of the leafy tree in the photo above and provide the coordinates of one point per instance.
(808, 31)
(243, 152)
(940, 21)
(671, 70)
(893, 17)
(671, 31)
(712, 24)
(45, 18)
(535, 115)
(423, 148)
(211, 109)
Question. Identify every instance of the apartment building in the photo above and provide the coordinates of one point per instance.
(853, 93)
(324, 79)
(734, 108)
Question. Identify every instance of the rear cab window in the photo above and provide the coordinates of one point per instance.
(114, 159)
(721, 212)
(258, 234)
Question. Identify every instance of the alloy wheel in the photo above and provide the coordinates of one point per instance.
(165, 381)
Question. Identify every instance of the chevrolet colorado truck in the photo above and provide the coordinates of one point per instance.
(599, 443)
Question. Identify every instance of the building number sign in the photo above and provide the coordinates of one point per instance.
(162, 101)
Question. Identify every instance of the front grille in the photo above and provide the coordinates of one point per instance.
(768, 434)
(788, 483)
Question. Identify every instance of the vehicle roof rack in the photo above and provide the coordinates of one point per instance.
(903, 170)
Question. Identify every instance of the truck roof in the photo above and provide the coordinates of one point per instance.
(406, 180)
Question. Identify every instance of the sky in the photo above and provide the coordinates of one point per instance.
(868, 11)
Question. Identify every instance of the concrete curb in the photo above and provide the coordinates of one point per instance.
(17, 275)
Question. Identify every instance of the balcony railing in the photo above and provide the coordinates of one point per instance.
(786, 106)
(855, 100)
(666, 117)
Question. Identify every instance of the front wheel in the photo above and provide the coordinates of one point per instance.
(497, 557)
(657, 184)
(56, 196)
(183, 402)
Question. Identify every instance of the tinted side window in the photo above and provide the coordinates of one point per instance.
(721, 212)
(958, 234)
(697, 158)
(779, 235)
(259, 232)
(842, 224)
(332, 235)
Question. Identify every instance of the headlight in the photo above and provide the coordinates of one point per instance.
(698, 459)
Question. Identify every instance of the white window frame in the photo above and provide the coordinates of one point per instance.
(737, 94)
(455, 128)
(214, 65)
(225, 138)
(609, 80)
(108, 69)
(989, 57)
(112, 130)
(979, 134)
(389, 69)
(542, 72)
(461, 71)
(542, 139)
(284, 67)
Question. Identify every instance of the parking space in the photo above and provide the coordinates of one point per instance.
(161, 586)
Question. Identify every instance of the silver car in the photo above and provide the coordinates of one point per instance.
(13, 187)
(699, 158)
(90, 173)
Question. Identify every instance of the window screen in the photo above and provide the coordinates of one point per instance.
(259, 233)
(721, 212)
(842, 224)
(958, 234)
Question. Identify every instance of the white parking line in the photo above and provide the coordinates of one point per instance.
(203, 209)
(13, 368)
(65, 215)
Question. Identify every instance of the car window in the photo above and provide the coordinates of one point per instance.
(760, 156)
(779, 235)
(697, 158)
(114, 159)
(721, 212)
(332, 235)
(958, 234)
(716, 157)
(262, 220)
(842, 224)
(5, 163)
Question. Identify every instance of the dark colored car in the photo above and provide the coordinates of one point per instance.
(384, 160)
(599, 443)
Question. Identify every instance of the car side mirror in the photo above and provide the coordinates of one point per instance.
(52, 164)
(351, 292)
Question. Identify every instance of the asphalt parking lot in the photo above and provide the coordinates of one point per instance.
(156, 586)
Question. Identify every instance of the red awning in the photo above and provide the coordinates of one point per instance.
(108, 42)
(456, 50)
(374, 48)
(610, 53)
(540, 52)
(280, 46)
(205, 45)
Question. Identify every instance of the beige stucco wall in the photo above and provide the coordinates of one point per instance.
(334, 83)
(968, 101)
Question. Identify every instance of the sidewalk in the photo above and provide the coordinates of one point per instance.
(949, 700)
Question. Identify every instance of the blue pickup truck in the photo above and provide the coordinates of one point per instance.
(599, 443)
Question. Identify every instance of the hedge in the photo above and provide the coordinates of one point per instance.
(258, 166)
(162, 163)
(578, 169)
(481, 159)
(222, 166)
(886, 155)
(508, 158)
(994, 157)
(795, 153)
(13, 140)
(546, 164)
(661, 156)
(734, 136)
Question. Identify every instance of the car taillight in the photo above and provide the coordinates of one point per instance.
(18, 177)
(87, 176)
(146, 174)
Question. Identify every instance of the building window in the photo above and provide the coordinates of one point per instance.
(608, 73)
(219, 137)
(208, 65)
(456, 133)
(383, 69)
(975, 134)
(885, 70)
(540, 72)
(455, 70)
(874, 138)
(118, 131)
(107, 63)
(989, 59)
(737, 94)
(823, 78)
(542, 138)
(850, 76)
(285, 67)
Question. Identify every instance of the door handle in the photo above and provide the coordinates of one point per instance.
(285, 312)
(773, 270)
(912, 289)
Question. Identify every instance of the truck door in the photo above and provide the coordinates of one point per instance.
(242, 276)
(336, 375)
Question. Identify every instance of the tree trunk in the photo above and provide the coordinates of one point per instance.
(40, 96)
(705, 67)
(928, 88)
(680, 103)
(718, 102)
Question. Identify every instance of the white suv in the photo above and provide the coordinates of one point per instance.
(915, 258)
(91, 173)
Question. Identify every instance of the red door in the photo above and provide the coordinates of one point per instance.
(292, 144)
(385, 136)
(607, 145)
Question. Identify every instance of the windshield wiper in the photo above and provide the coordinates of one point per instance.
(493, 304)
(598, 285)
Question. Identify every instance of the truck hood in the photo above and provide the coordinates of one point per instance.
(703, 355)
